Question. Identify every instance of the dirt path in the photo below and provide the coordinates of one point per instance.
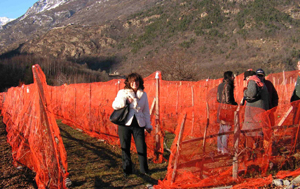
(91, 164)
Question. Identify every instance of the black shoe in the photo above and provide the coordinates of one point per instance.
(126, 174)
(146, 173)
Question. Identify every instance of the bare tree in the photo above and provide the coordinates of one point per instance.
(176, 66)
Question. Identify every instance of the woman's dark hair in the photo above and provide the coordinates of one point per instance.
(134, 77)
(227, 75)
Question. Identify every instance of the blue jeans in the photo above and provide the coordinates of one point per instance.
(222, 140)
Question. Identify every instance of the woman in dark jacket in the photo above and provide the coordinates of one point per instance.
(225, 96)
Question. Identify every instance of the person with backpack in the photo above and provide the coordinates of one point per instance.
(225, 96)
(256, 96)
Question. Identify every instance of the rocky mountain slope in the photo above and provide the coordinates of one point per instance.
(186, 40)
(4, 20)
(46, 15)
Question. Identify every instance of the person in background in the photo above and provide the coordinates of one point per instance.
(257, 102)
(225, 95)
(296, 109)
(273, 95)
(296, 92)
(138, 119)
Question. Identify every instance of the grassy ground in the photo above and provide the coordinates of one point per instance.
(11, 177)
(91, 164)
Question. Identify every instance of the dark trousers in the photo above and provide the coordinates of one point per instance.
(125, 133)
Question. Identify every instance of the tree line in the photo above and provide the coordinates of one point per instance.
(17, 70)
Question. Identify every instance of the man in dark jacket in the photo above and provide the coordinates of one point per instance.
(225, 96)
(273, 95)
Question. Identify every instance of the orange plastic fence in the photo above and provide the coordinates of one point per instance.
(196, 162)
(2, 96)
(33, 133)
(188, 109)
(88, 107)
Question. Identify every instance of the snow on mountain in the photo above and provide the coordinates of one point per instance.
(43, 5)
(4, 20)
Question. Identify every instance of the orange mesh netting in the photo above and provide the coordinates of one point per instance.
(33, 133)
(195, 160)
(88, 107)
(188, 109)
(2, 95)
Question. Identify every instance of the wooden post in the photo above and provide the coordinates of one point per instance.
(75, 103)
(23, 87)
(204, 139)
(177, 100)
(235, 163)
(90, 109)
(56, 100)
(193, 114)
(178, 149)
(63, 102)
(157, 129)
(207, 123)
(152, 106)
(192, 89)
(283, 78)
(285, 116)
(51, 94)
(284, 83)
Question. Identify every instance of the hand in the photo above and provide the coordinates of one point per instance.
(242, 102)
(149, 130)
(129, 100)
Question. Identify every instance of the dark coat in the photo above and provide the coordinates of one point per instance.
(225, 96)
(272, 94)
(254, 111)
(296, 92)
(225, 93)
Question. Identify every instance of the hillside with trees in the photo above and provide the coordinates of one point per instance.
(186, 40)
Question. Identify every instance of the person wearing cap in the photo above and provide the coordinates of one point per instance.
(257, 102)
(273, 95)
(225, 96)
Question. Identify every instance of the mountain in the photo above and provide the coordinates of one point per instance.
(185, 39)
(4, 20)
(43, 5)
(46, 15)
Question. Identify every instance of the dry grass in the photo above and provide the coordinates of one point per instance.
(91, 164)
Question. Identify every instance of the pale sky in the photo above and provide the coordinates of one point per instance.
(14, 8)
